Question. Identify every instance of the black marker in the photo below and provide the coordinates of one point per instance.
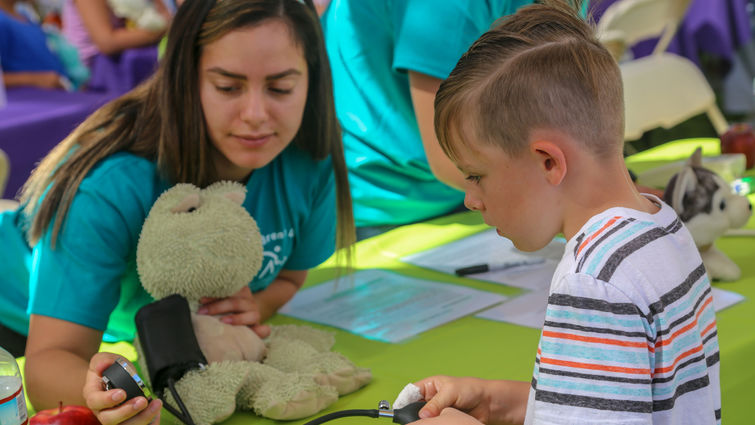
(482, 268)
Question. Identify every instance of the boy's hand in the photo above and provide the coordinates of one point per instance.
(449, 416)
(465, 394)
(109, 406)
(239, 309)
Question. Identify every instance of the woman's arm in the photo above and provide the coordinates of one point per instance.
(279, 292)
(423, 88)
(95, 14)
(57, 360)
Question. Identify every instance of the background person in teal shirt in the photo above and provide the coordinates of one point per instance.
(243, 93)
(388, 59)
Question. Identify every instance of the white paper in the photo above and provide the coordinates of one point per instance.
(487, 247)
(528, 309)
(386, 306)
(723, 299)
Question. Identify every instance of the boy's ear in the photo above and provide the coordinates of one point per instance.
(551, 160)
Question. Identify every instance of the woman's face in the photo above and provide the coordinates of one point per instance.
(253, 87)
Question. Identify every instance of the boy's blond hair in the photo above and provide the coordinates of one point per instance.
(539, 68)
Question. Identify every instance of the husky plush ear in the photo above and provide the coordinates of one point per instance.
(684, 182)
(696, 159)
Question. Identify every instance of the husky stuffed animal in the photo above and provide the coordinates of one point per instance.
(708, 207)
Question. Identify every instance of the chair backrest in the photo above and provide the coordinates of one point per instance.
(664, 90)
(637, 20)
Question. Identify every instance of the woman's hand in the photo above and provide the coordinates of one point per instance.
(239, 309)
(109, 405)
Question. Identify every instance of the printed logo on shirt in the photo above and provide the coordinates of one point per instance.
(276, 247)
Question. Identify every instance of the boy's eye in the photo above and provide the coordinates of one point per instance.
(473, 178)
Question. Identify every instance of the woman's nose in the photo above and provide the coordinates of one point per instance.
(254, 110)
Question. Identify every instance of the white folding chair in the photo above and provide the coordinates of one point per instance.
(663, 89)
(5, 204)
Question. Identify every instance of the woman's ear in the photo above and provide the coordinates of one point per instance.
(551, 160)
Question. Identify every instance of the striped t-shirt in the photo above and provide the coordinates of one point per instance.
(630, 332)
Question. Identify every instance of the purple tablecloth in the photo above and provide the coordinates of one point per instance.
(117, 74)
(718, 27)
(34, 121)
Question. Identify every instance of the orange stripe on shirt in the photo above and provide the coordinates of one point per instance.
(582, 338)
(677, 360)
(687, 327)
(592, 366)
(707, 329)
(599, 231)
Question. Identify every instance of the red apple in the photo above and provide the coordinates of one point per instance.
(65, 415)
(740, 138)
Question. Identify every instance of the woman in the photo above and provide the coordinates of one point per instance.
(243, 93)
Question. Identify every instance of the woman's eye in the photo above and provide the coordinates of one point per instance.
(278, 90)
(473, 178)
(226, 89)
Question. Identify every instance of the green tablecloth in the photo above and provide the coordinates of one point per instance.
(479, 347)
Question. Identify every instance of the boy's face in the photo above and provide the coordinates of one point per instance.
(509, 192)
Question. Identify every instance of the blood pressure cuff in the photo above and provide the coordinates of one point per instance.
(168, 341)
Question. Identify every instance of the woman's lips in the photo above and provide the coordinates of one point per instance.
(252, 140)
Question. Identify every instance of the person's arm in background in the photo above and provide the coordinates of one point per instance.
(423, 88)
(95, 15)
(42, 79)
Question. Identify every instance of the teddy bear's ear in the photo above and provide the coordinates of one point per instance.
(237, 197)
(188, 204)
(686, 181)
(696, 159)
(233, 191)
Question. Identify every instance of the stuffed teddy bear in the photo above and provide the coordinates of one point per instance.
(202, 242)
(138, 13)
(708, 207)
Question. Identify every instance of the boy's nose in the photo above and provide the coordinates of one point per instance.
(472, 203)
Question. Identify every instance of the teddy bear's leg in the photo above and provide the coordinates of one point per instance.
(341, 373)
(328, 368)
(257, 375)
(719, 266)
(278, 395)
(295, 396)
(210, 394)
(319, 340)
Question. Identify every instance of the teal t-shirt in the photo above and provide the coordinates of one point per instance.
(90, 278)
(372, 44)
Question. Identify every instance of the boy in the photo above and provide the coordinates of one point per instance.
(533, 116)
